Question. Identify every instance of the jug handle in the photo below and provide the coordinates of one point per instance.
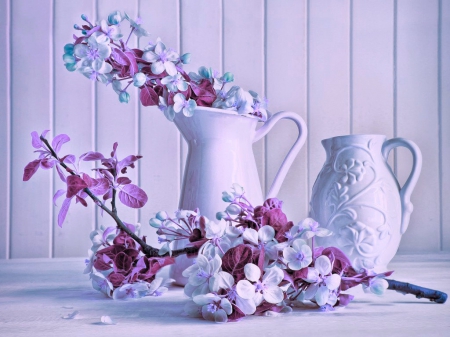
(287, 162)
(408, 187)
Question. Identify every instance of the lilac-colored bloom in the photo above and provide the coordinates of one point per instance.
(299, 255)
(112, 32)
(180, 103)
(200, 275)
(323, 282)
(267, 289)
(131, 291)
(162, 59)
(138, 30)
(175, 83)
(214, 308)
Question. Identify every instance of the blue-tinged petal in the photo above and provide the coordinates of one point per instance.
(105, 69)
(68, 48)
(139, 79)
(193, 310)
(248, 307)
(226, 280)
(170, 68)
(312, 276)
(290, 254)
(259, 297)
(179, 98)
(215, 264)
(81, 50)
(104, 26)
(310, 292)
(115, 17)
(201, 290)
(252, 272)
(226, 305)
(333, 281)
(323, 265)
(159, 48)
(245, 289)
(188, 112)
(272, 276)
(220, 316)
(206, 299)
(273, 294)
(321, 296)
(208, 315)
(378, 286)
(189, 289)
(298, 243)
(250, 235)
(172, 56)
(182, 85)
(266, 233)
(169, 112)
(157, 67)
(150, 56)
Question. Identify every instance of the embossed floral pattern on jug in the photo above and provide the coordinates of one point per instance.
(358, 198)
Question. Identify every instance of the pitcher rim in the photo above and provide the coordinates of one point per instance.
(365, 135)
(224, 111)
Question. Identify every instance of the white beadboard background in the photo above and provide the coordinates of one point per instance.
(345, 66)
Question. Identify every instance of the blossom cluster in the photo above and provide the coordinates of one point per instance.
(101, 54)
(252, 260)
(119, 269)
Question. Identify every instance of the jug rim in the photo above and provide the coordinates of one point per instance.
(365, 135)
(223, 111)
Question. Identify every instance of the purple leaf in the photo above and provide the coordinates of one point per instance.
(69, 159)
(123, 181)
(148, 96)
(108, 195)
(132, 62)
(132, 196)
(58, 141)
(63, 211)
(74, 185)
(57, 195)
(205, 93)
(44, 133)
(119, 57)
(48, 163)
(81, 200)
(60, 173)
(128, 161)
(91, 155)
(235, 259)
(31, 169)
(115, 145)
(35, 140)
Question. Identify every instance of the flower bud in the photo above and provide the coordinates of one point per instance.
(68, 49)
(139, 79)
(155, 223)
(124, 97)
(205, 72)
(227, 77)
(115, 17)
(84, 32)
(221, 215)
(75, 26)
(71, 66)
(378, 286)
(84, 17)
(227, 197)
(161, 215)
(186, 58)
(233, 209)
(67, 58)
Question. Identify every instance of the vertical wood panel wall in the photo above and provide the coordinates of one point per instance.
(345, 66)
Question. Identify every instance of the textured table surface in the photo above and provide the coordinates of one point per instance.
(36, 294)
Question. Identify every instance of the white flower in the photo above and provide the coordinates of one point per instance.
(200, 275)
(175, 83)
(156, 287)
(101, 283)
(131, 291)
(214, 308)
(311, 228)
(323, 282)
(267, 289)
(162, 59)
(218, 242)
(180, 103)
(299, 255)
(377, 286)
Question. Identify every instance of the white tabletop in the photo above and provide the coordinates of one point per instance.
(36, 293)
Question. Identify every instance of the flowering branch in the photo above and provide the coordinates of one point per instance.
(148, 250)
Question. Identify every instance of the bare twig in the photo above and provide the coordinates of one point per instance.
(420, 292)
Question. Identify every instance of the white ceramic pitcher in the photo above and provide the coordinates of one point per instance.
(220, 154)
(358, 198)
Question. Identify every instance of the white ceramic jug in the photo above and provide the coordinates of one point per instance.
(220, 154)
(358, 198)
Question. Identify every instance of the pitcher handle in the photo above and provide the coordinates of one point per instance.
(287, 162)
(408, 187)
